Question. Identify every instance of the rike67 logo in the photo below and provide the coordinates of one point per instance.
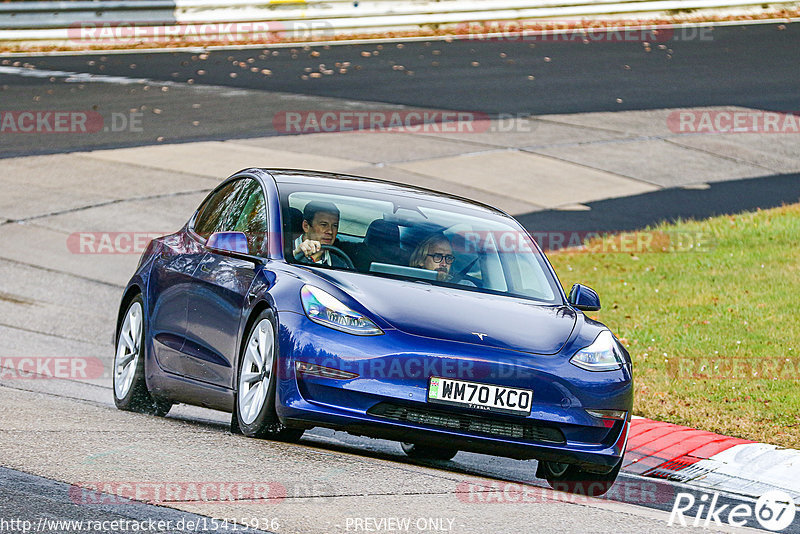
(774, 510)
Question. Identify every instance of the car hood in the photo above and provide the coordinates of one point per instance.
(460, 315)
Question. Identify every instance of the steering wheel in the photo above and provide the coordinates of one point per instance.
(336, 251)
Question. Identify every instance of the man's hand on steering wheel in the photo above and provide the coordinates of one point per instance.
(307, 248)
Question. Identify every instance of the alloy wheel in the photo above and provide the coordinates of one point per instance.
(256, 374)
(129, 350)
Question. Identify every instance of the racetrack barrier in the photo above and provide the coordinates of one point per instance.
(82, 22)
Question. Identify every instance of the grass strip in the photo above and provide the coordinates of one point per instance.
(709, 311)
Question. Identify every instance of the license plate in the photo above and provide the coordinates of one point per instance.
(480, 396)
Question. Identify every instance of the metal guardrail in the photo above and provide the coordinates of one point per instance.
(58, 21)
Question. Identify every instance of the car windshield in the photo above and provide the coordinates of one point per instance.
(419, 237)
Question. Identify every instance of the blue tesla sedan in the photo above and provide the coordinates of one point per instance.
(295, 299)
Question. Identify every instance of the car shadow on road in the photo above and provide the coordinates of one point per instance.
(648, 209)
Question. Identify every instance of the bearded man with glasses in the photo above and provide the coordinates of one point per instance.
(435, 254)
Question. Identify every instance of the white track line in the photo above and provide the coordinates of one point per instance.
(82, 77)
(85, 77)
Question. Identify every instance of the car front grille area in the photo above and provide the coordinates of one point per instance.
(523, 430)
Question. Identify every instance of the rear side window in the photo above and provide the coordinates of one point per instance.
(237, 207)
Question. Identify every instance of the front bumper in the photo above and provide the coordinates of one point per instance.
(388, 399)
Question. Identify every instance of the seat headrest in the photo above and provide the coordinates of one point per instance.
(382, 234)
(295, 221)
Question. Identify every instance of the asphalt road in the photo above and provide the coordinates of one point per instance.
(750, 66)
(322, 473)
(37, 504)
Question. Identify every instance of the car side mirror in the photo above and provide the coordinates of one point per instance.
(584, 298)
(228, 242)
(233, 244)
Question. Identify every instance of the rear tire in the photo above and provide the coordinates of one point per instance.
(426, 452)
(572, 479)
(257, 382)
(130, 386)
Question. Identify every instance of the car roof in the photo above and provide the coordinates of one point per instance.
(349, 181)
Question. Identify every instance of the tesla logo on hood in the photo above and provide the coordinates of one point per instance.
(480, 335)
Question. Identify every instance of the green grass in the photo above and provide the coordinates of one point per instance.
(681, 313)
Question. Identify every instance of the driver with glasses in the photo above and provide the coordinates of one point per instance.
(320, 226)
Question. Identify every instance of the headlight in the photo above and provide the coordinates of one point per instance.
(324, 309)
(602, 355)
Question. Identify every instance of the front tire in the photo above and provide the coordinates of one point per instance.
(572, 479)
(130, 387)
(426, 452)
(257, 383)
